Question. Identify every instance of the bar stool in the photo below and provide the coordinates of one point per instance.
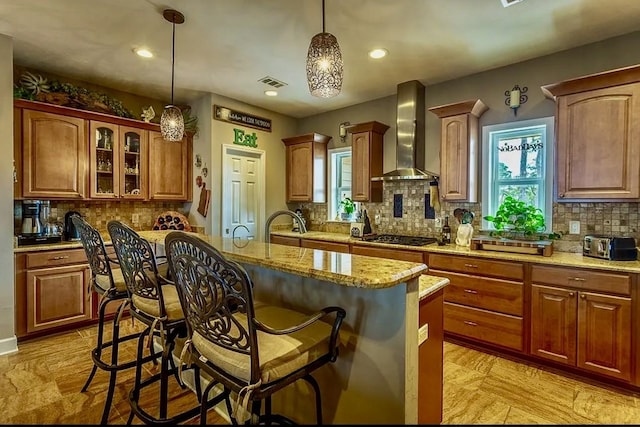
(154, 301)
(250, 348)
(110, 285)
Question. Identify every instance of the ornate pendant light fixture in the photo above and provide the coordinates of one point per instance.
(172, 122)
(324, 64)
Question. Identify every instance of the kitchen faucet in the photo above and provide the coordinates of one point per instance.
(233, 233)
(302, 228)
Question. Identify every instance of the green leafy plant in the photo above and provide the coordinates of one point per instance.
(347, 205)
(518, 219)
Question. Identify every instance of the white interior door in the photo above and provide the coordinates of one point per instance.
(243, 188)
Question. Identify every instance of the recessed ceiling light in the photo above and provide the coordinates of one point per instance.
(378, 53)
(145, 53)
(271, 92)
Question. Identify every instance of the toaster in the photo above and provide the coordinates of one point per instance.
(611, 248)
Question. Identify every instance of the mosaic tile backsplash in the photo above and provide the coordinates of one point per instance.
(611, 218)
(100, 213)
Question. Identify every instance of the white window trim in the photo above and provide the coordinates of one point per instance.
(331, 208)
(549, 145)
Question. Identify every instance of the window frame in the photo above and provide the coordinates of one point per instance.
(332, 206)
(489, 173)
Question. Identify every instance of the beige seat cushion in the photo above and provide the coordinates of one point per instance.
(152, 307)
(280, 355)
(102, 280)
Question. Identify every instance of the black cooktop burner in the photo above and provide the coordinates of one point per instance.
(396, 239)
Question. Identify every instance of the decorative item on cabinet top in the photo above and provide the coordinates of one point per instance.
(171, 220)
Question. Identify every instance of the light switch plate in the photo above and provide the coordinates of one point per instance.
(574, 227)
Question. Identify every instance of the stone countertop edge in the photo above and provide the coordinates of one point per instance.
(566, 259)
(431, 284)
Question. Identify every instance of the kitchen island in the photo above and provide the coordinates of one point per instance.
(375, 379)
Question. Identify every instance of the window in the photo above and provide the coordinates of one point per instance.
(518, 162)
(340, 179)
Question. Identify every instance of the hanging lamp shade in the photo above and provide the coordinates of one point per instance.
(324, 64)
(172, 121)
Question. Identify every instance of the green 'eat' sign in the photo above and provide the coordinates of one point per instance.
(241, 138)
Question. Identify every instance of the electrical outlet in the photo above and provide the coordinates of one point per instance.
(438, 222)
(135, 218)
(377, 218)
(574, 227)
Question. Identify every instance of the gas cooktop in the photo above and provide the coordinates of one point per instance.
(397, 239)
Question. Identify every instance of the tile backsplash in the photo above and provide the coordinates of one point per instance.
(100, 213)
(613, 218)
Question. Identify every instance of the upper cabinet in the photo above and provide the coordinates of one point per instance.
(169, 171)
(459, 135)
(54, 151)
(117, 161)
(60, 152)
(598, 136)
(366, 153)
(307, 168)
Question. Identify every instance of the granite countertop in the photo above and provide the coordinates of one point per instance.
(340, 268)
(568, 259)
(431, 284)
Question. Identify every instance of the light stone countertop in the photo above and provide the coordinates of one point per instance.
(431, 284)
(340, 268)
(568, 259)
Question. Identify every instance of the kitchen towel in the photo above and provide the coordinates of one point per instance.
(435, 195)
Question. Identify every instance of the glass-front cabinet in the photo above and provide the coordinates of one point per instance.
(117, 156)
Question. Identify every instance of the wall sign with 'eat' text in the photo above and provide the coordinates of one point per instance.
(241, 138)
(233, 116)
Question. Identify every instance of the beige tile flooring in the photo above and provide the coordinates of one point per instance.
(41, 385)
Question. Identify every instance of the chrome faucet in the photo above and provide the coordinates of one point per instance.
(302, 228)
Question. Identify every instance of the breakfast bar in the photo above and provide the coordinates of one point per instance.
(375, 378)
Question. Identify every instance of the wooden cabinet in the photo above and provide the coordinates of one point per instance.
(54, 149)
(459, 136)
(170, 170)
(306, 169)
(391, 253)
(484, 300)
(576, 326)
(324, 245)
(598, 136)
(366, 153)
(430, 359)
(117, 161)
(284, 240)
(52, 291)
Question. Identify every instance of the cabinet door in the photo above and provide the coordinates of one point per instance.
(17, 153)
(598, 143)
(604, 335)
(360, 167)
(133, 163)
(553, 323)
(57, 296)
(54, 156)
(104, 160)
(168, 169)
(300, 172)
(454, 161)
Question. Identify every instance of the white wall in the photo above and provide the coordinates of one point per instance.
(8, 341)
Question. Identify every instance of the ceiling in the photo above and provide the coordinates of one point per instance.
(226, 46)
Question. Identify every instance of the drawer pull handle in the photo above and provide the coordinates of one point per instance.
(470, 291)
(55, 258)
(471, 265)
(470, 323)
(571, 294)
(583, 296)
(578, 279)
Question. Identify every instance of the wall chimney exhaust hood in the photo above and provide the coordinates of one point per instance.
(410, 139)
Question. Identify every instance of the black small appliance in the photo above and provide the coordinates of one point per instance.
(70, 231)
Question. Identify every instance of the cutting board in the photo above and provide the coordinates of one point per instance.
(205, 197)
(532, 247)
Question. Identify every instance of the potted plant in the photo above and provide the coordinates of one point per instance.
(348, 207)
(516, 219)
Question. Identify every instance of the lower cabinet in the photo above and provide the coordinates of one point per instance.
(324, 245)
(284, 240)
(579, 325)
(399, 254)
(52, 291)
(430, 359)
(484, 300)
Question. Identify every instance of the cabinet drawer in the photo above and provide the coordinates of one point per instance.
(582, 279)
(284, 240)
(325, 246)
(470, 265)
(482, 292)
(391, 253)
(55, 258)
(494, 328)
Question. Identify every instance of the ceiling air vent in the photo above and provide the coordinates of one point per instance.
(506, 3)
(272, 82)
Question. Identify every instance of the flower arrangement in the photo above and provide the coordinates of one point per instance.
(517, 219)
(348, 207)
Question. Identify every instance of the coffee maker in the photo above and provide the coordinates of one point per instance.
(32, 231)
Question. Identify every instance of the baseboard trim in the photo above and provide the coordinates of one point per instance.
(8, 345)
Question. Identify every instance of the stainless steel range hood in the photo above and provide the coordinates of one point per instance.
(410, 139)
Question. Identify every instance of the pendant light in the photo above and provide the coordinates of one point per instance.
(324, 64)
(172, 122)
